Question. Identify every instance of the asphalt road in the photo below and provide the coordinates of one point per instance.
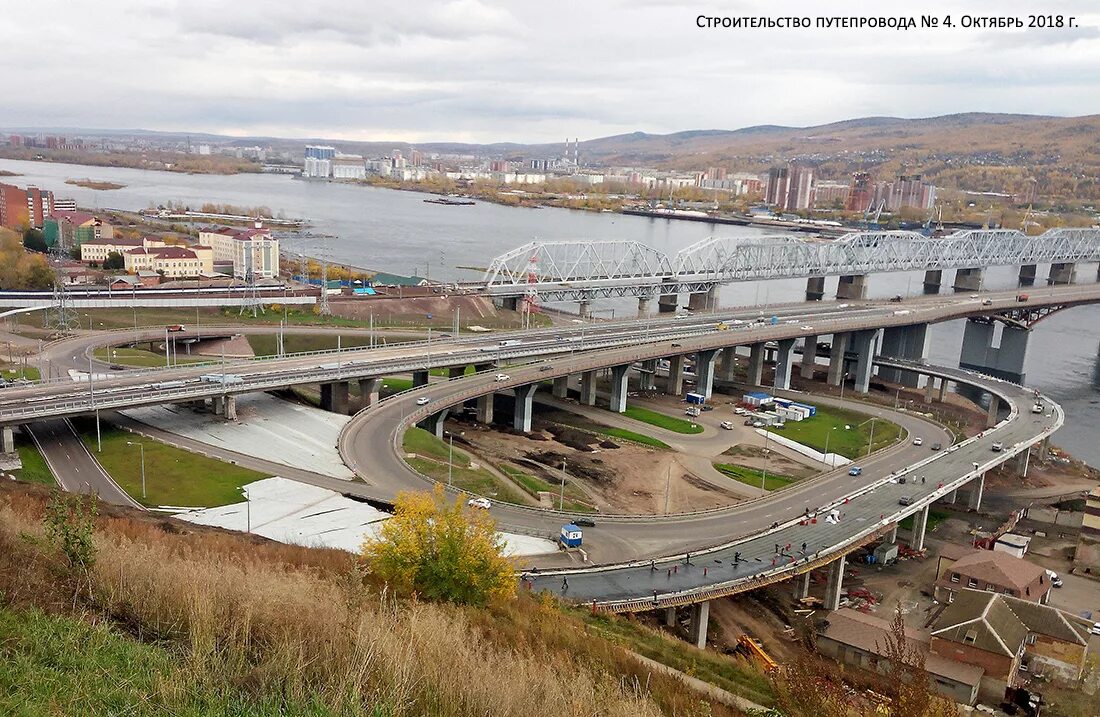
(72, 465)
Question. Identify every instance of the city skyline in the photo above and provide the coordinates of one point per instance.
(479, 71)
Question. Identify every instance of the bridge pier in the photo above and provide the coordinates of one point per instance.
(434, 423)
(920, 526)
(704, 372)
(943, 390)
(619, 375)
(674, 384)
(835, 584)
(668, 303)
(756, 365)
(703, 300)
(700, 618)
(231, 408)
(334, 397)
(1023, 461)
(645, 304)
(891, 537)
(991, 414)
(7, 440)
(933, 280)
(588, 388)
(368, 392)
(802, 585)
(784, 358)
(485, 409)
(584, 309)
(852, 287)
(809, 358)
(977, 487)
(561, 387)
(1005, 361)
(1062, 273)
(456, 372)
(524, 407)
(1027, 274)
(728, 366)
(863, 343)
(510, 303)
(837, 351)
(952, 497)
(968, 279)
(420, 378)
(909, 343)
(815, 288)
(647, 379)
(670, 617)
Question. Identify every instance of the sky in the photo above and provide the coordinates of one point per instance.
(522, 70)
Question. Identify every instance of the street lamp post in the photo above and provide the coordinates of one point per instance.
(764, 473)
(825, 456)
(450, 457)
(141, 446)
(561, 495)
(871, 438)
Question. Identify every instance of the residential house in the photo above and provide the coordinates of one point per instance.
(1010, 639)
(71, 229)
(246, 253)
(854, 638)
(24, 208)
(97, 250)
(172, 262)
(962, 567)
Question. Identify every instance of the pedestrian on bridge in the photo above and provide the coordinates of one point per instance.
(564, 585)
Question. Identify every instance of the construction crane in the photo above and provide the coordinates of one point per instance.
(752, 649)
(1027, 220)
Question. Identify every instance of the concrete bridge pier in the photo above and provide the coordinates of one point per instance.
(1005, 361)
(920, 526)
(1027, 274)
(863, 343)
(802, 585)
(943, 390)
(524, 407)
(368, 392)
(784, 361)
(728, 367)
(933, 280)
(588, 388)
(231, 408)
(952, 497)
(1062, 273)
(929, 388)
(1023, 461)
(420, 378)
(835, 584)
(756, 365)
(909, 343)
(619, 375)
(561, 387)
(674, 384)
(645, 305)
(7, 440)
(668, 303)
(670, 617)
(434, 423)
(509, 303)
(704, 372)
(837, 369)
(809, 358)
(700, 618)
(994, 409)
(815, 288)
(852, 287)
(977, 487)
(485, 409)
(891, 537)
(647, 379)
(334, 397)
(456, 372)
(703, 300)
(584, 309)
(968, 279)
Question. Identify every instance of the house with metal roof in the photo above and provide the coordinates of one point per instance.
(961, 567)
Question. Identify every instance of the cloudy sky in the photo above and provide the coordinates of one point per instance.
(522, 70)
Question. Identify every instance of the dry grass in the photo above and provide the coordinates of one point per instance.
(309, 628)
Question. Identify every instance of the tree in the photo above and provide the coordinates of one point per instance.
(38, 275)
(440, 551)
(35, 240)
(114, 260)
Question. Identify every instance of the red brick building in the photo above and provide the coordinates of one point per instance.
(24, 208)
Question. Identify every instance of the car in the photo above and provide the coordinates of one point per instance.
(547, 367)
(918, 441)
(757, 424)
(584, 522)
(806, 328)
(974, 296)
(905, 500)
(482, 503)
(727, 425)
(902, 480)
(676, 346)
(423, 401)
(953, 448)
(987, 302)
(1037, 408)
(855, 471)
(1095, 629)
(937, 446)
(998, 447)
(1054, 579)
(501, 377)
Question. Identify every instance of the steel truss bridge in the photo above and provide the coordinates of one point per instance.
(584, 270)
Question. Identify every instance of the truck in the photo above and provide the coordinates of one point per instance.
(697, 399)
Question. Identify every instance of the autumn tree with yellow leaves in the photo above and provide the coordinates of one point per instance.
(439, 550)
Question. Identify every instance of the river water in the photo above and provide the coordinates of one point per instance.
(396, 231)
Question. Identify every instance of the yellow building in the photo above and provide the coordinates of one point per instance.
(251, 252)
(97, 250)
(172, 262)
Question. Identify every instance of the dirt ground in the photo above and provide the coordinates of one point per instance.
(394, 309)
(753, 457)
(620, 476)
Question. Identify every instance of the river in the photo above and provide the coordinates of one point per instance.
(396, 231)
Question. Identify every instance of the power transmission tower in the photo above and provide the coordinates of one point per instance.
(322, 307)
(60, 315)
(252, 298)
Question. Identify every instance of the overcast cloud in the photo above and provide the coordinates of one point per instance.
(523, 71)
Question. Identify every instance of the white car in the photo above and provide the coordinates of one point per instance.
(728, 425)
(1095, 629)
(423, 401)
(918, 441)
(501, 377)
(806, 328)
(482, 503)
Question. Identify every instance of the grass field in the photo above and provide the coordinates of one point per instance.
(267, 344)
(671, 423)
(575, 499)
(173, 476)
(28, 372)
(142, 358)
(752, 476)
(34, 468)
(851, 434)
(431, 460)
(633, 436)
(935, 517)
